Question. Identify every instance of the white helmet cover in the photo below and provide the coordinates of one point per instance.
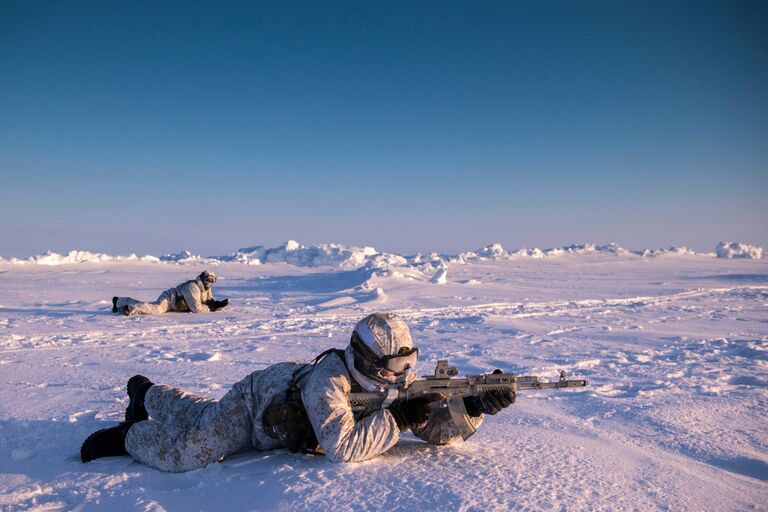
(385, 334)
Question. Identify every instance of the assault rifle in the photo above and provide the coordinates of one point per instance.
(450, 391)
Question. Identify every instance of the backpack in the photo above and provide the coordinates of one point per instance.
(286, 419)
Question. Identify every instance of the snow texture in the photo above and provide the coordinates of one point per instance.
(675, 349)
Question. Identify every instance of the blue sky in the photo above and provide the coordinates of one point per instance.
(409, 126)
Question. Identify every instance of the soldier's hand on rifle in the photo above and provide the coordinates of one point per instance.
(410, 412)
(491, 402)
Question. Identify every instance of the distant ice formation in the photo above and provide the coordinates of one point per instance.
(294, 253)
(383, 264)
(738, 250)
(52, 258)
(186, 257)
(495, 251)
(672, 250)
(440, 277)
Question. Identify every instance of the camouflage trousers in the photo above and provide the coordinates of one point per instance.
(160, 306)
(187, 431)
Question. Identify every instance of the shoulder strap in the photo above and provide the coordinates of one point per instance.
(339, 352)
(305, 370)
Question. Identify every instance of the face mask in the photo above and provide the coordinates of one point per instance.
(390, 377)
(207, 279)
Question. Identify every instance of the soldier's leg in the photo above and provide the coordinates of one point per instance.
(125, 301)
(198, 431)
(161, 306)
(175, 407)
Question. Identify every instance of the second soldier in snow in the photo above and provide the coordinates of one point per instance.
(194, 296)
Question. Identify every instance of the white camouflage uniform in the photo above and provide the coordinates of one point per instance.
(188, 296)
(186, 432)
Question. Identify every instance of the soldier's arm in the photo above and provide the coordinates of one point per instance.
(193, 297)
(325, 397)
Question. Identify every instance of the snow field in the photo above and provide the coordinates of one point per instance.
(675, 349)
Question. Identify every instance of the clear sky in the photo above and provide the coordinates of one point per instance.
(409, 126)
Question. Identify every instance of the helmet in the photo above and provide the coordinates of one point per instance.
(382, 348)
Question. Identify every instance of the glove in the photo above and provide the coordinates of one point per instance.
(214, 304)
(410, 412)
(489, 403)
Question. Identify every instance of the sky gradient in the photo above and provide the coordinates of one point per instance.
(413, 126)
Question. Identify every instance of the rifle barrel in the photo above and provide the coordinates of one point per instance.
(535, 384)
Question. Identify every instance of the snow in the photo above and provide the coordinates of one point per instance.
(675, 349)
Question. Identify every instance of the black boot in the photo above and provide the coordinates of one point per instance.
(114, 304)
(109, 442)
(138, 385)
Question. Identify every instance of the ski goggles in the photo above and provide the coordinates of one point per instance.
(405, 358)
